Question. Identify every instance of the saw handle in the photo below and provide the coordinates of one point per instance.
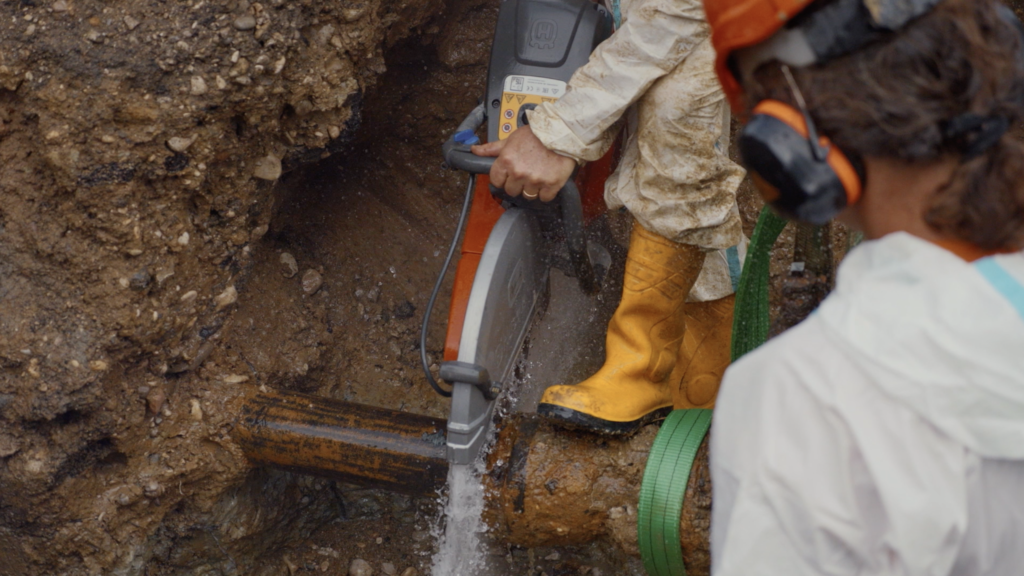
(458, 155)
(575, 239)
(456, 149)
(453, 372)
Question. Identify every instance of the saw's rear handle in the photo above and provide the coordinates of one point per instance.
(457, 151)
(576, 239)
(458, 154)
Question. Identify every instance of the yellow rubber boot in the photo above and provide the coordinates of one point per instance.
(704, 354)
(644, 338)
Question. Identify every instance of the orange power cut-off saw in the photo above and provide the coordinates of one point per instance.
(511, 244)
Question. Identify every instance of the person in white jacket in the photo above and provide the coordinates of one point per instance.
(668, 342)
(884, 435)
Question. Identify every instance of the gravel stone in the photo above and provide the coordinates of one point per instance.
(374, 294)
(155, 400)
(198, 86)
(195, 410)
(153, 489)
(226, 298)
(8, 446)
(140, 280)
(311, 281)
(289, 267)
(245, 22)
(360, 567)
(268, 168)
(353, 14)
(179, 144)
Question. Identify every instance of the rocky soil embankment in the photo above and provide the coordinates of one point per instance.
(141, 147)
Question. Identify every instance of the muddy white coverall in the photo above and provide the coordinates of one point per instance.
(885, 434)
(672, 177)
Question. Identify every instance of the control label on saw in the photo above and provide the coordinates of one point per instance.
(519, 91)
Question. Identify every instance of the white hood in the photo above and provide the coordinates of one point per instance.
(941, 338)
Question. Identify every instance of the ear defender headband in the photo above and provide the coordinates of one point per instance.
(800, 173)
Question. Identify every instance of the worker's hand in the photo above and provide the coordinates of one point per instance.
(524, 166)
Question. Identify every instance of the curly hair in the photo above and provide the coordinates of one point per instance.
(898, 97)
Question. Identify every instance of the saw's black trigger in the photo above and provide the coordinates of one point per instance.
(472, 374)
(601, 259)
(523, 119)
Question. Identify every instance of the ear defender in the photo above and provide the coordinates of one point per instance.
(801, 175)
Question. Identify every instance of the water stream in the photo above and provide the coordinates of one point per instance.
(461, 550)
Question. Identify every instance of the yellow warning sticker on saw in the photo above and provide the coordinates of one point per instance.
(520, 91)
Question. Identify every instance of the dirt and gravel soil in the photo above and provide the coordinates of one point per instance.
(142, 219)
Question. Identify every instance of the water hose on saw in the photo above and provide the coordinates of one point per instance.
(668, 466)
(437, 288)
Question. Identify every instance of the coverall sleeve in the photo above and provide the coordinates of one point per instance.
(816, 472)
(655, 37)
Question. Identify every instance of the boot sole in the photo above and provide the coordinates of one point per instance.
(574, 420)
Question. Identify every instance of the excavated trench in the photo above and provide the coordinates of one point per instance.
(210, 198)
(375, 227)
(158, 265)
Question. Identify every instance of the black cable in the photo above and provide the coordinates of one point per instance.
(437, 288)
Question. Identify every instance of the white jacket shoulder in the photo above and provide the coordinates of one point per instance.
(813, 466)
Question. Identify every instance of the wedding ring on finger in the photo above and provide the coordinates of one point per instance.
(529, 196)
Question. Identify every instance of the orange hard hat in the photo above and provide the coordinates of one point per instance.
(737, 24)
(839, 27)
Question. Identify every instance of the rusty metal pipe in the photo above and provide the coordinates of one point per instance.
(545, 486)
(552, 487)
(349, 442)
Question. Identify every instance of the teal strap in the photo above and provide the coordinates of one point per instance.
(617, 14)
(732, 256)
(1001, 280)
